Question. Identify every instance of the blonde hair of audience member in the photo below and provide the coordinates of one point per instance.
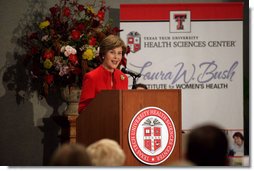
(106, 152)
(71, 155)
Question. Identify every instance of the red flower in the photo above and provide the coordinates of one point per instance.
(75, 34)
(100, 15)
(81, 27)
(48, 78)
(92, 41)
(53, 11)
(73, 59)
(81, 7)
(73, 28)
(48, 54)
(66, 12)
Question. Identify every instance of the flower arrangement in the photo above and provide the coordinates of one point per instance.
(65, 44)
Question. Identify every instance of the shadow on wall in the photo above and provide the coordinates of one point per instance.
(22, 142)
(114, 14)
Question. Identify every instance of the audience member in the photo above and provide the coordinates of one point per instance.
(71, 155)
(106, 152)
(140, 86)
(207, 145)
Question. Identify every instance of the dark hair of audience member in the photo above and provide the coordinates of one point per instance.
(207, 145)
(140, 86)
(71, 155)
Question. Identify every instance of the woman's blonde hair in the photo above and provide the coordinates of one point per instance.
(106, 152)
(111, 42)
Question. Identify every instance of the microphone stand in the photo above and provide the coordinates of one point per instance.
(134, 78)
(133, 75)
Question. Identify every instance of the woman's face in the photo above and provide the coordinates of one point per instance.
(238, 141)
(112, 58)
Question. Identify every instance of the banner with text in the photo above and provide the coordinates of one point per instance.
(194, 47)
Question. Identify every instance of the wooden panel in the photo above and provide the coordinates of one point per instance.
(111, 112)
(100, 119)
(135, 100)
(72, 122)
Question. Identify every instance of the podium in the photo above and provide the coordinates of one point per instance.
(109, 116)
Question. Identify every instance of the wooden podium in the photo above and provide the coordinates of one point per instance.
(111, 112)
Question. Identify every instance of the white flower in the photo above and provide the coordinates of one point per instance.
(62, 49)
(97, 53)
(67, 50)
(66, 53)
(45, 38)
(73, 51)
(64, 70)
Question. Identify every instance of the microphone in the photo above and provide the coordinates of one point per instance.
(131, 73)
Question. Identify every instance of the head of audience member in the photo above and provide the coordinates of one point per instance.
(71, 155)
(140, 86)
(207, 145)
(106, 152)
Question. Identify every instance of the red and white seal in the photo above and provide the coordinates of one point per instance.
(152, 135)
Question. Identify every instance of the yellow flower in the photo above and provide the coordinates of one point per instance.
(47, 64)
(89, 54)
(44, 24)
(90, 9)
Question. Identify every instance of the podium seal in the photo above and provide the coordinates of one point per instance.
(152, 135)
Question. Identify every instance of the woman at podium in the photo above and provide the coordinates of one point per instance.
(106, 76)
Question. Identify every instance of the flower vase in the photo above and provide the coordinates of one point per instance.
(71, 95)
